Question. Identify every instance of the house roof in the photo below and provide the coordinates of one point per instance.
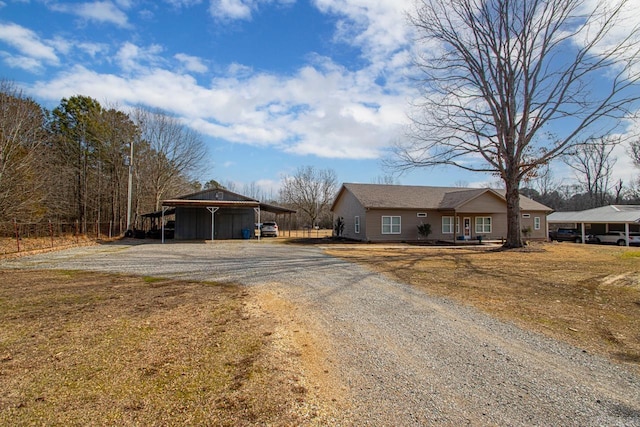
(604, 214)
(379, 196)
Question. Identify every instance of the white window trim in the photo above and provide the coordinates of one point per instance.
(456, 226)
(421, 214)
(450, 225)
(356, 224)
(483, 231)
(526, 215)
(536, 223)
(391, 224)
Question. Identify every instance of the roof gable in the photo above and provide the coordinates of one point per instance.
(220, 194)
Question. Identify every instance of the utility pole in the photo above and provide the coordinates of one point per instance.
(130, 188)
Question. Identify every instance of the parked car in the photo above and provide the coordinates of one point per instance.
(566, 235)
(269, 228)
(169, 229)
(617, 238)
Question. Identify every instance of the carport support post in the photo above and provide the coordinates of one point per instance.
(164, 209)
(626, 233)
(257, 210)
(213, 210)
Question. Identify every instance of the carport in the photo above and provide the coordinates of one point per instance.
(600, 220)
(231, 215)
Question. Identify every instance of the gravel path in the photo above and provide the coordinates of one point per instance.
(407, 358)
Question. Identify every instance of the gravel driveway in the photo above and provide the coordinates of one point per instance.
(407, 358)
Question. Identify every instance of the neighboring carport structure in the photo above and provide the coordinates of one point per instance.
(601, 220)
(217, 214)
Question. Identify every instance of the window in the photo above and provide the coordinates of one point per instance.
(526, 215)
(483, 224)
(536, 223)
(447, 224)
(356, 223)
(390, 225)
(422, 214)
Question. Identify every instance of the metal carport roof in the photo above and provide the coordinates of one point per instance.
(618, 214)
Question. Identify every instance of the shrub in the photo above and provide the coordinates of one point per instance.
(424, 230)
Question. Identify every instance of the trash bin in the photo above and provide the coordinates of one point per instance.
(245, 233)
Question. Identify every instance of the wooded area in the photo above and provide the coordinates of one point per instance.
(71, 165)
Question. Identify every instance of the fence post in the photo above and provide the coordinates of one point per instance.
(51, 232)
(15, 226)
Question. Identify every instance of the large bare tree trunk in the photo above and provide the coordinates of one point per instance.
(512, 195)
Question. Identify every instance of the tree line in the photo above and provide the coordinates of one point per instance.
(593, 164)
(72, 164)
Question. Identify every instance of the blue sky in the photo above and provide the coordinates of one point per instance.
(271, 85)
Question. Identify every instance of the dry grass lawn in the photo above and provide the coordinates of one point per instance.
(80, 348)
(587, 295)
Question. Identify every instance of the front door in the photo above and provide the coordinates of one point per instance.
(467, 228)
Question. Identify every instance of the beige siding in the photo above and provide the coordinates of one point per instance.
(486, 203)
(410, 222)
(348, 207)
(540, 234)
(408, 225)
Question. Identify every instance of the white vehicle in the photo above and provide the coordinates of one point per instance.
(617, 238)
(269, 228)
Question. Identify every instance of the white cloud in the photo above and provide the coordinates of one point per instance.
(22, 62)
(379, 27)
(183, 3)
(191, 63)
(325, 110)
(28, 43)
(131, 57)
(93, 49)
(97, 11)
(232, 9)
(240, 9)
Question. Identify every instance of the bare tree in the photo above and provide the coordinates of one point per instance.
(593, 166)
(22, 138)
(385, 180)
(254, 191)
(618, 190)
(542, 180)
(499, 76)
(310, 190)
(635, 152)
(175, 152)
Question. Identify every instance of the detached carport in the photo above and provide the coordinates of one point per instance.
(235, 214)
(600, 220)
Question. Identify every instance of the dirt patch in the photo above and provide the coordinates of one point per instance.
(314, 353)
(586, 295)
(80, 348)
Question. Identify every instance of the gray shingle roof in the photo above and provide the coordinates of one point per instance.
(380, 196)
